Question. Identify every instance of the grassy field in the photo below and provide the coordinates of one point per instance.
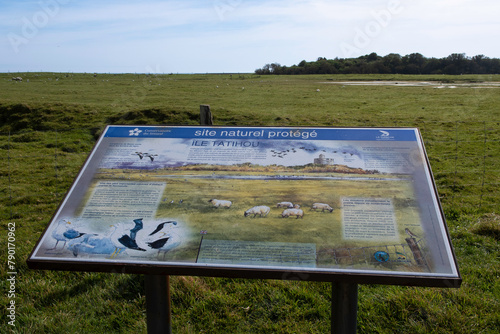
(49, 122)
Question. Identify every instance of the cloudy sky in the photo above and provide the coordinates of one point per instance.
(213, 36)
(176, 152)
(134, 153)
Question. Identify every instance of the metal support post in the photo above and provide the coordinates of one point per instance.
(158, 304)
(344, 307)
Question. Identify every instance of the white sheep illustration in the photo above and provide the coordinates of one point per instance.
(292, 212)
(220, 203)
(322, 207)
(261, 210)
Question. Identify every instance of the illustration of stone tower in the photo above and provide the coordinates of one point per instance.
(322, 160)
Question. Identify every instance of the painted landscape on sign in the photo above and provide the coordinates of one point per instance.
(287, 203)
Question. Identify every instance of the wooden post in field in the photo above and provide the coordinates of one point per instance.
(205, 115)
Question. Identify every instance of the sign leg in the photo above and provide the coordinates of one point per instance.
(158, 304)
(344, 307)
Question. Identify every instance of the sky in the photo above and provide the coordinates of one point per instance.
(234, 36)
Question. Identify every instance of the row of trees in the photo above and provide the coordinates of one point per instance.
(415, 63)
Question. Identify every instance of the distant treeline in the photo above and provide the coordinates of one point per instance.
(415, 63)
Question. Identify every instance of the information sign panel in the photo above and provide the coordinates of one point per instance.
(328, 204)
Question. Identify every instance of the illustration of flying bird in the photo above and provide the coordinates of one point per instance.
(140, 154)
(151, 156)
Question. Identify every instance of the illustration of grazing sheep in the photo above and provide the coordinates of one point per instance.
(292, 212)
(261, 210)
(284, 205)
(322, 207)
(220, 203)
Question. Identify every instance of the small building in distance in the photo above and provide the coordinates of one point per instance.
(322, 160)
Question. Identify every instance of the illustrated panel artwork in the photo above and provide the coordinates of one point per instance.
(313, 200)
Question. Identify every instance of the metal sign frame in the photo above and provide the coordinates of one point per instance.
(212, 201)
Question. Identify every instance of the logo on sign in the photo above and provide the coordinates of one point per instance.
(384, 135)
(134, 132)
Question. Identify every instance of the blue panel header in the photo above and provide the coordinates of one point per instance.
(267, 133)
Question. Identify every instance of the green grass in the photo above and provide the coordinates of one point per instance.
(55, 118)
